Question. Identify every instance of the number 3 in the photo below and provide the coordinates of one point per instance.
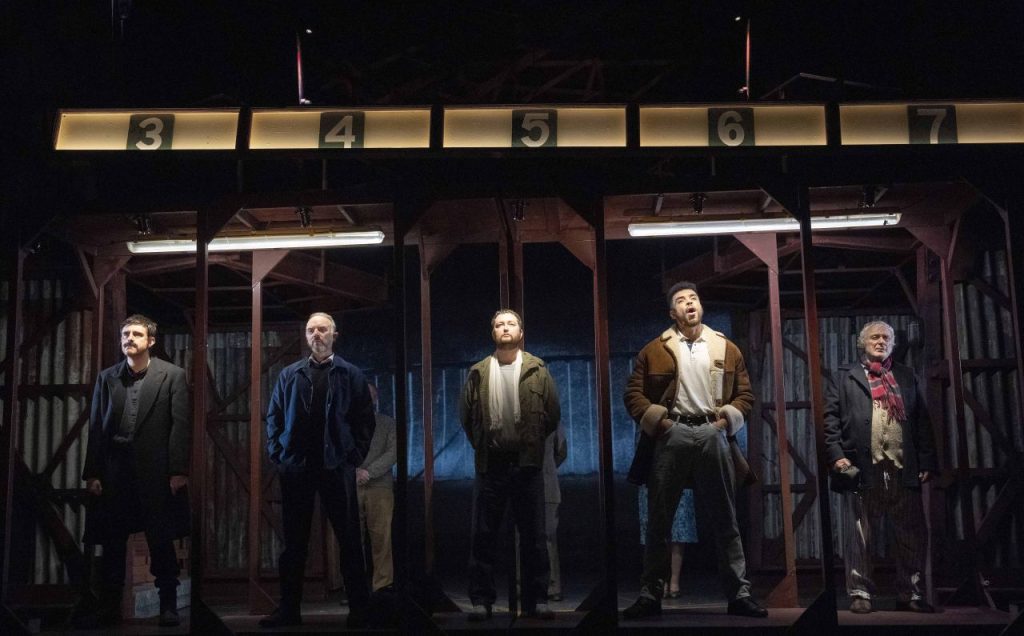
(150, 131)
(151, 127)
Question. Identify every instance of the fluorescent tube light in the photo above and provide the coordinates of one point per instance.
(779, 224)
(259, 242)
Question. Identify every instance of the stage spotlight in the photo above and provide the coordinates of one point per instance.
(305, 216)
(869, 196)
(697, 199)
(143, 227)
(518, 210)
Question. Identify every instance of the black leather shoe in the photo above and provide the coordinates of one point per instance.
(747, 606)
(169, 618)
(860, 605)
(644, 607)
(540, 612)
(920, 606)
(479, 613)
(281, 619)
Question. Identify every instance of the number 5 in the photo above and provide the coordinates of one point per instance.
(540, 125)
(538, 122)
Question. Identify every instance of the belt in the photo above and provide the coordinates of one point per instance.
(693, 420)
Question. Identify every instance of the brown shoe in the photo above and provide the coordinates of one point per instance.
(860, 605)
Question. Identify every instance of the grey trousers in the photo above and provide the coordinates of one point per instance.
(867, 510)
(551, 532)
(697, 455)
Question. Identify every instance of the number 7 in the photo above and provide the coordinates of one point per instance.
(938, 115)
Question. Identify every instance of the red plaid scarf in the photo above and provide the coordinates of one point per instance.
(884, 388)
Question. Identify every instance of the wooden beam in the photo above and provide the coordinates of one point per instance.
(307, 271)
(33, 493)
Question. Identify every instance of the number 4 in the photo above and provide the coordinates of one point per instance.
(340, 129)
(341, 133)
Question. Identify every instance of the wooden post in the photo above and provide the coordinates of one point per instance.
(15, 257)
(262, 263)
(427, 381)
(765, 247)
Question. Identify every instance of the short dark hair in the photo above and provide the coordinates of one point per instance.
(139, 319)
(519, 318)
(678, 287)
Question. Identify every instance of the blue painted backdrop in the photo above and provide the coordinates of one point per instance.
(559, 328)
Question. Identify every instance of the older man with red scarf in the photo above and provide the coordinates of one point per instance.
(877, 426)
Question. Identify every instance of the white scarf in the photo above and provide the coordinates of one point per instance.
(496, 397)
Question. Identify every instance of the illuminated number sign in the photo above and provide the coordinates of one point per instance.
(535, 127)
(732, 126)
(147, 130)
(311, 128)
(150, 132)
(932, 124)
(342, 129)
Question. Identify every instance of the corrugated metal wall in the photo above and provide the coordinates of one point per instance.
(56, 380)
(838, 347)
(986, 337)
(61, 361)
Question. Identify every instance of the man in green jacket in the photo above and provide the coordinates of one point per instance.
(509, 407)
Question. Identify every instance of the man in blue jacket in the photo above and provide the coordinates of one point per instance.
(319, 426)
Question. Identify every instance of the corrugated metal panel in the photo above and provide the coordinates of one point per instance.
(60, 360)
(984, 331)
(838, 346)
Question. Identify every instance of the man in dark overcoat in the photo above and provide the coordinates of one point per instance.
(136, 470)
(877, 427)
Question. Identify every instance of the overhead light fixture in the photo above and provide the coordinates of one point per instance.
(776, 224)
(260, 242)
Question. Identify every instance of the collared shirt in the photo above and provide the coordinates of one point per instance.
(132, 387)
(319, 373)
(693, 377)
(313, 362)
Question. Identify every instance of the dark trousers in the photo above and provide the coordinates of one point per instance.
(505, 484)
(699, 455)
(338, 500)
(888, 500)
(120, 484)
